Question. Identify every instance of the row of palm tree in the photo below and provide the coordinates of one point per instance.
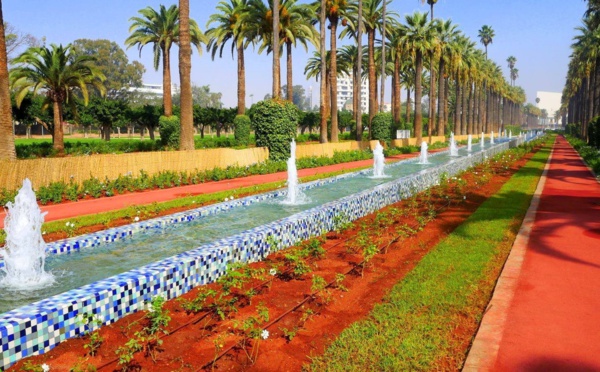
(413, 52)
(581, 93)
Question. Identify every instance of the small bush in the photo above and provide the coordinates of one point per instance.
(169, 130)
(241, 125)
(382, 127)
(275, 122)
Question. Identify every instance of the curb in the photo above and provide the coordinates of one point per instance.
(484, 350)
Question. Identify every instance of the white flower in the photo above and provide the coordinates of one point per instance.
(273, 272)
(136, 219)
(45, 367)
(43, 233)
(231, 197)
(264, 334)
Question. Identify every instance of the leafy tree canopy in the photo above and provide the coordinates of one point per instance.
(202, 97)
(112, 61)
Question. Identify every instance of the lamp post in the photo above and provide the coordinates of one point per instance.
(310, 90)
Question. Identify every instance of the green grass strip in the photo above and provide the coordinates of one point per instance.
(415, 326)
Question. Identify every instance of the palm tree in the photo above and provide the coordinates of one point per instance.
(446, 35)
(7, 139)
(230, 26)
(162, 30)
(514, 75)
(186, 140)
(335, 10)
(486, 36)
(512, 60)
(431, 4)
(58, 73)
(323, 87)
(418, 39)
(372, 20)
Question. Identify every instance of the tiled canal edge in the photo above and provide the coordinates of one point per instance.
(38, 327)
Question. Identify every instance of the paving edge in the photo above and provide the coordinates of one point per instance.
(484, 350)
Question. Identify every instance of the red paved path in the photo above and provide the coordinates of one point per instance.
(93, 206)
(552, 322)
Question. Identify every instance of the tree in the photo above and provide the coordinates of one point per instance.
(275, 48)
(108, 113)
(202, 96)
(111, 61)
(161, 29)
(323, 86)
(418, 37)
(229, 25)
(7, 139)
(186, 141)
(486, 36)
(512, 60)
(16, 40)
(146, 116)
(31, 111)
(299, 97)
(446, 34)
(60, 74)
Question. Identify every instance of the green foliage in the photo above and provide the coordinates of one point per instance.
(588, 153)
(381, 127)
(594, 132)
(169, 129)
(242, 125)
(275, 123)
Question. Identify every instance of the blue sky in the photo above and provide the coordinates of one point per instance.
(538, 33)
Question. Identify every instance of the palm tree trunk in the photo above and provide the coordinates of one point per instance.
(358, 107)
(323, 90)
(355, 92)
(290, 84)
(432, 97)
(167, 99)
(408, 103)
(396, 104)
(333, 83)
(186, 140)
(372, 77)
(275, 49)
(465, 110)
(458, 108)
(241, 70)
(382, 90)
(471, 123)
(7, 138)
(58, 141)
(418, 96)
(441, 97)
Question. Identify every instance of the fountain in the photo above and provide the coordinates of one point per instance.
(25, 250)
(423, 157)
(492, 138)
(453, 148)
(294, 195)
(469, 143)
(378, 161)
(482, 141)
(510, 134)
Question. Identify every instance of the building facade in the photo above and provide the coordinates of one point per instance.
(346, 93)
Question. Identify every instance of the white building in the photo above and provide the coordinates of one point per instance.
(153, 89)
(549, 101)
(346, 93)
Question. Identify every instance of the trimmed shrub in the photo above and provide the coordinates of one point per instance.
(241, 125)
(169, 129)
(382, 126)
(275, 122)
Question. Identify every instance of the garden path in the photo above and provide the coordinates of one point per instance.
(544, 312)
